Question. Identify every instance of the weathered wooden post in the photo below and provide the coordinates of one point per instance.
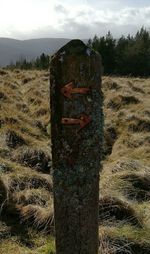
(77, 130)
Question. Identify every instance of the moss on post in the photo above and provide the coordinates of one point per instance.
(76, 133)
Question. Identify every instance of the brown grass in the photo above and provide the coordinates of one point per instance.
(26, 199)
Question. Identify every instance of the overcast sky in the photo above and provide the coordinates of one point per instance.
(24, 19)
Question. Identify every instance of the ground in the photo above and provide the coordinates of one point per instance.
(26, 200)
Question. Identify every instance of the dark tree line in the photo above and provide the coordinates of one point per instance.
(40, 63)
(126, 56)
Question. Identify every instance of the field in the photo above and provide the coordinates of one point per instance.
(26, 199)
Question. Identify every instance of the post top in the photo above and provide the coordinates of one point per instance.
(73, 47)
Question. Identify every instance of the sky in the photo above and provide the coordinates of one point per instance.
(26, 19)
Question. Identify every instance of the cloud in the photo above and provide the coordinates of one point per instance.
(87, 21)
(72, 19)
(72, 29)
(60, 9)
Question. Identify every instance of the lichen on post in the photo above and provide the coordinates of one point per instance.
(76, 135)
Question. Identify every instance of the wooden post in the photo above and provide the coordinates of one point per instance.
(77, 132)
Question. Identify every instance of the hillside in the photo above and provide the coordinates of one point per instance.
(26, 200)
(13, 50)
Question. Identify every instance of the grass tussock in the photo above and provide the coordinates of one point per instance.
(35, 159)
(113, 210)
(26, 200)
(38, 217)
(139, 186)
(123, 240)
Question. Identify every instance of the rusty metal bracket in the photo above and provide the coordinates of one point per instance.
(69, 89)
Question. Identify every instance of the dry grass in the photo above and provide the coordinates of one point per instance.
(26, 200)
(126, 170)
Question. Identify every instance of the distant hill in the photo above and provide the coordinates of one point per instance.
(13, 50)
